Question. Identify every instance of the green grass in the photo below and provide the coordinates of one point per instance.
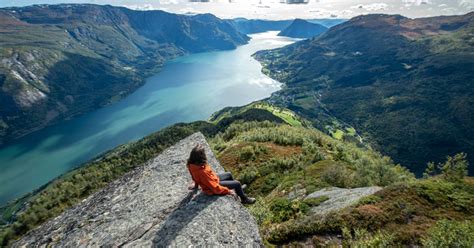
(286, 115)
(338, 134)
(350, 131)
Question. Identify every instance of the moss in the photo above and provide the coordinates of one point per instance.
(313, 202)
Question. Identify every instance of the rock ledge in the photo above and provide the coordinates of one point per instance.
(151, 206)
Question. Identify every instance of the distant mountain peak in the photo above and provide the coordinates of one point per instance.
(300, 28)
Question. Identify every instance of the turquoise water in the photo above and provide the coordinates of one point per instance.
(187, 89)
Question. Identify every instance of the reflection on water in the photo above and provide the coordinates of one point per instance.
(187, 89)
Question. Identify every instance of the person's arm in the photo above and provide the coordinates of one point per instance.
(192, 185)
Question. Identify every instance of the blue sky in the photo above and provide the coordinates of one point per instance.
(274, 9)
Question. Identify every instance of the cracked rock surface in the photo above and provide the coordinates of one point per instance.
(339, 198)
(151, 206)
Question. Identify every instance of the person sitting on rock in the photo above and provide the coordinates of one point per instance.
(210, 182)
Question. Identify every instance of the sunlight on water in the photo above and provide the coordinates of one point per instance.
(187, 89)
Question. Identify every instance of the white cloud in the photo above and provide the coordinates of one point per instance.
(141, 7)
(169, 1)
(415, 2)
(469, 4)
(371, 7)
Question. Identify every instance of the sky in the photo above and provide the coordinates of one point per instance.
(280, 9)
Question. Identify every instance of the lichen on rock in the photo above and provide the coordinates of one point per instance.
(151, 206)
(339, 198)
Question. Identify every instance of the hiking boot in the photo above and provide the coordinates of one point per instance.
(248, 200)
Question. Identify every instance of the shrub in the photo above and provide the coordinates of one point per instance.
(261, 212)
(247, 153)
(248, 175)
(284, 209)
(454, 169)
(271, 182)
(448, 233)
(337, 175)
(371, 199)
(361, 238)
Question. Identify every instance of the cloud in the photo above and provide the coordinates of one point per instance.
(415, 2)
(468, 4)
(371, 7)
(141, 7)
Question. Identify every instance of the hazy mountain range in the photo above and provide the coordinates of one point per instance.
(250, 26)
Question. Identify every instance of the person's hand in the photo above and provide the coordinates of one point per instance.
(233, 195)
(192, 186)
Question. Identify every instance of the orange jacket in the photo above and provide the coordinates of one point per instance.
(205, 177)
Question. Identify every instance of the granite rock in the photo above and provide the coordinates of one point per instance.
(339, 198)
(151, 206)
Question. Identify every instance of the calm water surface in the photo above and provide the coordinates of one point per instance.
(187, 89)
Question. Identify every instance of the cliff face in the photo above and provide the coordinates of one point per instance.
(151, 206)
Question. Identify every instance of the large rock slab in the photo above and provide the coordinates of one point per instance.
(151, 206)
(339, 198)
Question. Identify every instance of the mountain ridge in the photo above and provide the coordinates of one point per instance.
(250, 26)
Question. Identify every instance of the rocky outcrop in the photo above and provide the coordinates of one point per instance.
(340, 198)
(151, 206)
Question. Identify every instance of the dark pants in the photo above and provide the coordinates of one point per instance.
(226, 180)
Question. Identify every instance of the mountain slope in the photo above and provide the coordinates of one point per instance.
(53, 56)
(291, 168)
(302, 29)
(406, 84)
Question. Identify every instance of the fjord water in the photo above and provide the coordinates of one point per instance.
(187, 89)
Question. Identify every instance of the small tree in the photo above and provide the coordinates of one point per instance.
(454, 169)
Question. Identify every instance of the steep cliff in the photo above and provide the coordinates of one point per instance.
(151, 206)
